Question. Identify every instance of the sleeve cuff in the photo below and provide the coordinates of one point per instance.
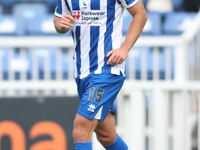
(58, 15)
(132, 4)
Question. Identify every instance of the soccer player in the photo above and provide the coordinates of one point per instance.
(99, 62)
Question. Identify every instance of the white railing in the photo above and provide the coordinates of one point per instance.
(171, 115)
(41, 47)
(152, 114)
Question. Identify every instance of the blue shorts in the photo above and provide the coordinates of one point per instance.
(97, 93)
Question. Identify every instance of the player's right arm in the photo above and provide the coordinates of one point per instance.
(64, 23)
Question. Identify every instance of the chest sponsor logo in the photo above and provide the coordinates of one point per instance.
(89, 17)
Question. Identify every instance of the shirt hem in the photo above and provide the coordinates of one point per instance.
(114, 73)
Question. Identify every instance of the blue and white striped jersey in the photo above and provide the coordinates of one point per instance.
(96, 31)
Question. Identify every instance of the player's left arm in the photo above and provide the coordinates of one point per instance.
(118, 56)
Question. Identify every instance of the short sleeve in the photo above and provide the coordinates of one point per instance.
(61, 8)
(128, 3)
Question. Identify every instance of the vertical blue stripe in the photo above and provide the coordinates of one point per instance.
(109, 30)
(94, 38)
(95, 4)
(72, 33)
(59, 9)
(75, 4)
(68, 6)
(118, 1)
(78, 50)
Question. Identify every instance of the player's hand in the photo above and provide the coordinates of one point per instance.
(67, 21)
(117, 56)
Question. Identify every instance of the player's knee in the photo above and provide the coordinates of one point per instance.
(80, 134)
(105, 139)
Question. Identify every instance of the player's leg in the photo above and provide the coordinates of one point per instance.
(105, 131)
(85, 122)
(107, 136)
(97, 94)
(83, 129)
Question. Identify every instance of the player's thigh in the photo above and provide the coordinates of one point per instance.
(85, 123)
(106, 131)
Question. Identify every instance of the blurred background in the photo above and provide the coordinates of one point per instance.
(157, 108)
